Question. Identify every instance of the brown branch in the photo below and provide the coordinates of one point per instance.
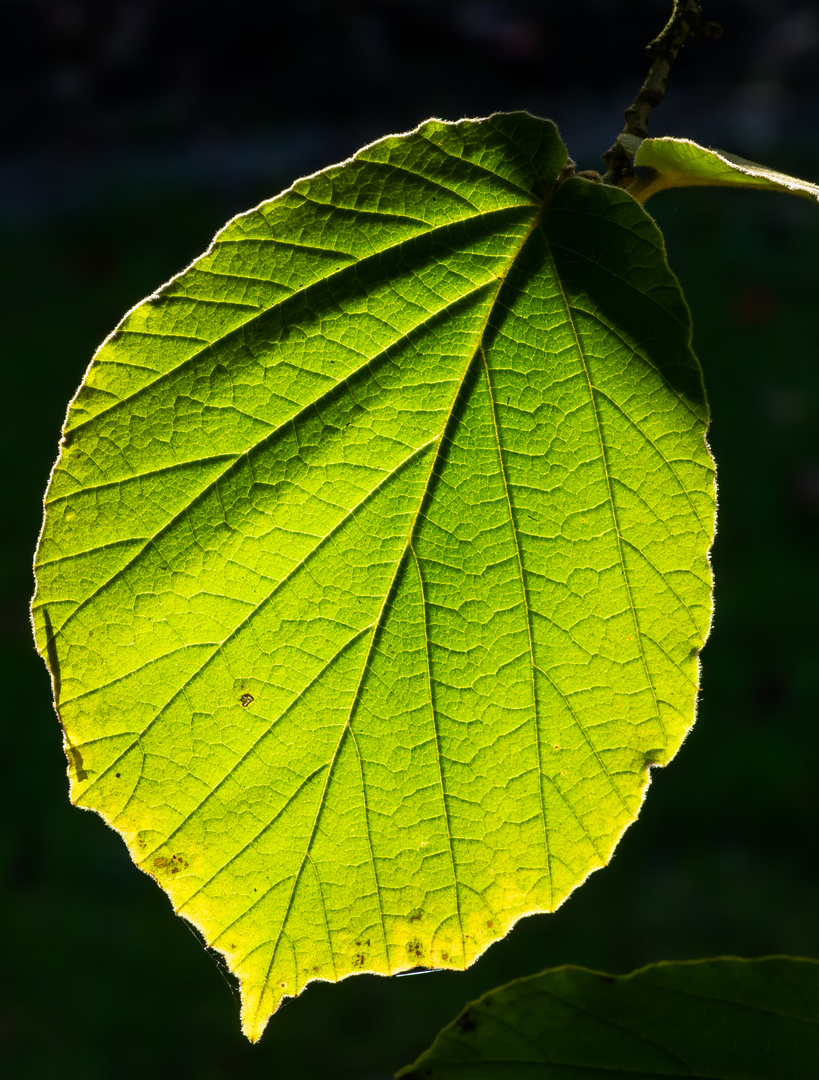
(685, 22)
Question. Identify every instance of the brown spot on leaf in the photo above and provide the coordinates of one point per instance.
(490, 924)
(358, 960)
(160, 862)
(246, 699)
(444, 956)
(415, 949)
(416, 916)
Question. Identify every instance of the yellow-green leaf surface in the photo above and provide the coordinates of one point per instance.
(373, 574)
(726, 1019)
(682, 163)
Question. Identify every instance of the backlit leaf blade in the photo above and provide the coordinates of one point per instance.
(373, 575)
(728, 1019)
(683, 163)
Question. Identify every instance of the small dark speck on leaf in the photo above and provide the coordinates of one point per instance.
(416, 916)
(117, 776)
(246, 700)
(467, 1022)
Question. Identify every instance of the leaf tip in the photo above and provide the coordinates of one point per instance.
(256, 1013)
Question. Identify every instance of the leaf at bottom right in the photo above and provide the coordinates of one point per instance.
(726, 1018)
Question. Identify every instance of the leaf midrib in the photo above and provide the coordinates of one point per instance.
(376, 626)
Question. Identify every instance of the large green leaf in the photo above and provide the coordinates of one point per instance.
(373, 575)
(726, 1019)
(670, 163)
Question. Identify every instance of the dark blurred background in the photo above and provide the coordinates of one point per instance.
(133, 129)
